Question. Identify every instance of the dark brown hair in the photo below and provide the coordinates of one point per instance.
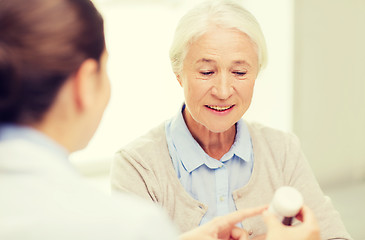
(42, 43)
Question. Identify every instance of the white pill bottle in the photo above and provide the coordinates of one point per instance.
(286, 204)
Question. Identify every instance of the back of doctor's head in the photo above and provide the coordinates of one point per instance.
(227, 14)
(42, 43)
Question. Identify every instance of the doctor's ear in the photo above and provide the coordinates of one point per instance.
(85, 81)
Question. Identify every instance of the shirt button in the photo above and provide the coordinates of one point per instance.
(221, 198)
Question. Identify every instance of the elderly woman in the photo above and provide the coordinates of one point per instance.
(206, 161)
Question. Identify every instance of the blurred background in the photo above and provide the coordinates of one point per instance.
(314, 86)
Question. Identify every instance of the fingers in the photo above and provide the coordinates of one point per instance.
(308, 215)
(223, 225)
(299, 216)
(305, 214)
(239, 215)
(271, 220)
(239, 234)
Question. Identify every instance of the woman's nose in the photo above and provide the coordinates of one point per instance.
(223, 87)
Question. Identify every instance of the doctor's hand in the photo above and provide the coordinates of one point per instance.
(307, 230)
(224, 227)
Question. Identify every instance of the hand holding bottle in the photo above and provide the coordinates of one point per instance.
(287, 204)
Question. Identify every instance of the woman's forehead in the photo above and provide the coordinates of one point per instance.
(238, 62)
(222, 43)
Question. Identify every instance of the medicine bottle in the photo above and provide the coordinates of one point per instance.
(286, 204)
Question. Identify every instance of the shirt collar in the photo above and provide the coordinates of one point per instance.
(13, 132)
(193, 156)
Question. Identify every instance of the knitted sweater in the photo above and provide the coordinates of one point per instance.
(144, 167)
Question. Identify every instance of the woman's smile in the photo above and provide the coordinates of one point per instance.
(218, 108)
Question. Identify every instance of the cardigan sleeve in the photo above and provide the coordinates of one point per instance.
(129, 173)
(297, 173)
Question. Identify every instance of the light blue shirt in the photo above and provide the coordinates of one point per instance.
(10, 132)
(42, 196)
(206, 179)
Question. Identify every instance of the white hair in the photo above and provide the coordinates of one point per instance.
(222, 13)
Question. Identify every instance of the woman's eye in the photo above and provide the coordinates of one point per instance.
(239, 73)
(207, 73)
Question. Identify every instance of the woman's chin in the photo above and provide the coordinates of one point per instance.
(219, 128)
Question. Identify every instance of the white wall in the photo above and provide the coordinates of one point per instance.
(144, 90)
(329, 95)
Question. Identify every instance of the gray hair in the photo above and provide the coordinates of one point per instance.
(223, 13)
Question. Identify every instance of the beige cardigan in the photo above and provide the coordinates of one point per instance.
(144, 167)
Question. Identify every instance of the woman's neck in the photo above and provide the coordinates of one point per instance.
(214, 144)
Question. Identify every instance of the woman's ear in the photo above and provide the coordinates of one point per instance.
(178, 77)
(85, 81)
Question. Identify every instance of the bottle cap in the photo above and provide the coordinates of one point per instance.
(287, 201)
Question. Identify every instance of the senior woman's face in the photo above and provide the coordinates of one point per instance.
(218, 78)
